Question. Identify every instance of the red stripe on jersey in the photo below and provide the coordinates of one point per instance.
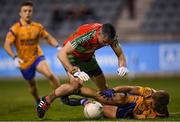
(11, 31)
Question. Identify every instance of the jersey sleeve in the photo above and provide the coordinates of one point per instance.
(43, 32)
(11, 35)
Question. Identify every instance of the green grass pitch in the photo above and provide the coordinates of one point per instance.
(16, 103)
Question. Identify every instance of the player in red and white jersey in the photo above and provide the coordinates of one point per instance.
(77, 54)
(77, 57)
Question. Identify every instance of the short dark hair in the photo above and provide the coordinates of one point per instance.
(27, 3)
(161, 98)
(108, 31)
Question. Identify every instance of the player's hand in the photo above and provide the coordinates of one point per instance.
(108, 94)
(17, 61)
(122, 71)
(81, 75)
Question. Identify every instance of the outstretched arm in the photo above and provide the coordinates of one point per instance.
(136, 90)
(118, 99)
(128, 89)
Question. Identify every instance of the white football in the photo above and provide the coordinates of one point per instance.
(93, 110)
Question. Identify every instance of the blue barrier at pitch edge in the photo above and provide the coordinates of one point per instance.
(141, 58)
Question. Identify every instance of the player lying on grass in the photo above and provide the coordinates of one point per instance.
(130, 102)
(120, 102)
(78, 54)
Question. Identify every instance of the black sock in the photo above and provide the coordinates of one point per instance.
(71, 101)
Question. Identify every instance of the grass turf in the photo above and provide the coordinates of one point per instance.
(17, 104)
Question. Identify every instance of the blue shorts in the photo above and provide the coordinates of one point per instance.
(125, 111)
(30, 72)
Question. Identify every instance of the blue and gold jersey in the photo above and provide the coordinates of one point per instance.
(26, 40)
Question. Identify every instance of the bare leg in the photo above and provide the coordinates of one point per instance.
(89, 92)
(44, 69)
(100, 82)
(33, 89)
(66, 88)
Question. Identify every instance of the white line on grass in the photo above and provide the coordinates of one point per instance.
(173, 113)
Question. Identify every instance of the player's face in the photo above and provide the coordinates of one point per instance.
(26, 13)
(103, 40)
